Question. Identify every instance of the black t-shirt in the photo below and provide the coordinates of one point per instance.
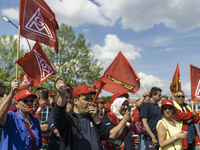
(54, 141)
(151, 111)
(87, 136)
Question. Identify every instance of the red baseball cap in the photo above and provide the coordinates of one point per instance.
(23, 94)
(82, 89)
(167, 102)
(100, 101)
(107, 105)
(51, 94)
(118, 95)
(69, 87)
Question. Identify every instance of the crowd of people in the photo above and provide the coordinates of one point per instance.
(70, 120)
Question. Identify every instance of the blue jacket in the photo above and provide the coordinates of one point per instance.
(15, 135)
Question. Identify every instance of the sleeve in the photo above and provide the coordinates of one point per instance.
(50, 121)
(103, 130)
(159, 122)
(60, 117)
(144, 111)
(8, 119)
(196, 118)
(178, 116)
(107, 122)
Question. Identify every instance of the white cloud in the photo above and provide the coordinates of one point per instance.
(149, 80)
(11, 13)
(135, 14)
(159, 41)
(112, 47)
(166, 50)
(186, 88)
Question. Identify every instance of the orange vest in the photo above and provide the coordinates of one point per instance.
(45, 135)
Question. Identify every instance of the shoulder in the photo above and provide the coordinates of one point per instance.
(161, 123)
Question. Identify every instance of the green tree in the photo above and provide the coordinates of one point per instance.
(8, 58)
(75, 61)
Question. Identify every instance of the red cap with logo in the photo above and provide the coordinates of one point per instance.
(23, 94)
(69, 87)
(167, 102)
(100, 101)
(82, 89)
(118, 95)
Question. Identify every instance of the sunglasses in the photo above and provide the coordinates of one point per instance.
(26, 101)
(183, 96)
(169, 108)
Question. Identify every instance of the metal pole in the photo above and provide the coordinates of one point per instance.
(6, 19)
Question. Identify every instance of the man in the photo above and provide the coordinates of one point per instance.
(80, 128)
(54, 140)
(21, 131)
(51, 98)
(164, 97)
(150, 114)
(42, 113)
(186, 118)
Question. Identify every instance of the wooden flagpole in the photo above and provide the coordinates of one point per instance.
(143, 85)
(18, 45)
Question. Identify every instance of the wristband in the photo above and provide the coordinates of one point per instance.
(175, 138)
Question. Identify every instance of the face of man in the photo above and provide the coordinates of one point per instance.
(2, 90)
(162, 99)
(123, 108)
(157, 97)
(180, 97)
(83, 103)
(25, 104)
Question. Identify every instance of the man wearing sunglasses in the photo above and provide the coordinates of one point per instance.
(186, 118)
(20, 130)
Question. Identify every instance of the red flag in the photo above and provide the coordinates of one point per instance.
(120, 77)
(176, 81)
(195, 83)
(37, 22)
(26, 81)
(37, 65)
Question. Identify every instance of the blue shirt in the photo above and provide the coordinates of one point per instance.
(15, 135)
(87, 136)
(151, 111)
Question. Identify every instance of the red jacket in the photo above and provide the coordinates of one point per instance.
(138, 121)
(181, 116)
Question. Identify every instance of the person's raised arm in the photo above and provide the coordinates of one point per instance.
(62, 93)
(140, 101)
(5, 104)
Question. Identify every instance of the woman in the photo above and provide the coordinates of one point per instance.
(118, 117)
(169, 135)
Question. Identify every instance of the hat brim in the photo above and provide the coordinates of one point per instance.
(24, 96)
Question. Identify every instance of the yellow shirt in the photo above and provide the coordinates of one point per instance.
(173, 132)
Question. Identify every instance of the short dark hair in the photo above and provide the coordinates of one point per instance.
(162, 113)
(43, 92)
(165, 96)
(154, 91)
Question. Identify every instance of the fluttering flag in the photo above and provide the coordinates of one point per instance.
(37, 22)
(120, 77)
(37, 65)
(195, 83)
(176, 81)
(26, 81)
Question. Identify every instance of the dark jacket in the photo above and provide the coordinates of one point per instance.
(68, 126)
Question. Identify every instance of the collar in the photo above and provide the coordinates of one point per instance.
(20, 116)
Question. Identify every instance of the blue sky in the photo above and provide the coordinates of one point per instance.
(153, 35)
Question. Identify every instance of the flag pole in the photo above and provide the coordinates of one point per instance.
(18, 45)
(143, 85)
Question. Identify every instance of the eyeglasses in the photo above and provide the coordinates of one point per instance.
(26, 101)
(183, 96)
(165, 108)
